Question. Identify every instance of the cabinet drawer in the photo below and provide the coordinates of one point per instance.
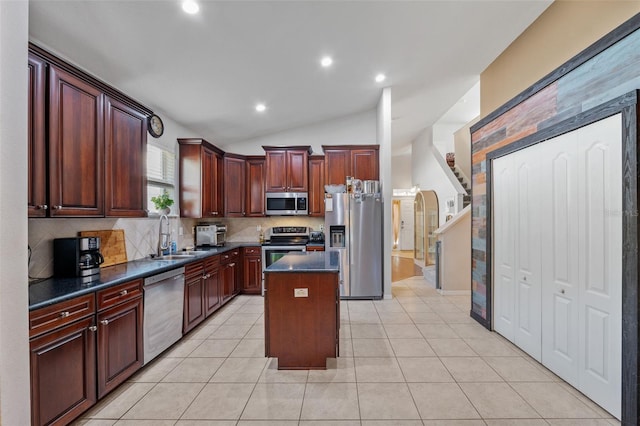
(252, 251)
(212, 262)
(195, 268)
(119, 294)
(46, 319)
(230, 256)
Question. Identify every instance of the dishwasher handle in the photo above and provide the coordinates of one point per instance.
(176, 274)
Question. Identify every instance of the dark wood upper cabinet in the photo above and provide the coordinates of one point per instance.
(37, 164)
(337, 165)
(316, 185)
(358, 161)
(201, 179)
(287, 168)
(254, 202)
(234, 185)
(365, 164)
(125, 171)
(76, 146)
(87, 142)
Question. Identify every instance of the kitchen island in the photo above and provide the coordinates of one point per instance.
(302, 310)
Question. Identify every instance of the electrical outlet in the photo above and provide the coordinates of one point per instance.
(321, 228)
(181, 231)
(259, 228)
(193, 229)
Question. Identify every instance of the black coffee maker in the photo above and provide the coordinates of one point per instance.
(77, 257)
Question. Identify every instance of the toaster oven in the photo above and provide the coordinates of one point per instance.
(211, 234)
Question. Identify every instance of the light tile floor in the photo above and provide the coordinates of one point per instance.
(417, 359)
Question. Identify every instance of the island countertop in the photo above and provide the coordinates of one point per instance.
(315, 261)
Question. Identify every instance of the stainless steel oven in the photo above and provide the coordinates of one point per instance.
(283, 240)
(271, 254)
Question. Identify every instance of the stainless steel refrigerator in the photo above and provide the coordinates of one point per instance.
(353, 227)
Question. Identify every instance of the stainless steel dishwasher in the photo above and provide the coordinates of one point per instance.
(163, 310)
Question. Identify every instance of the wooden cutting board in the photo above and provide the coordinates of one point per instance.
(112, 245)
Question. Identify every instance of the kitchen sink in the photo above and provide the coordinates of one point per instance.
(174, 257)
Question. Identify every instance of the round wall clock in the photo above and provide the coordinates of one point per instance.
(156, 127)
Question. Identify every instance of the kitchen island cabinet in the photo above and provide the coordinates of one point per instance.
(302, 310)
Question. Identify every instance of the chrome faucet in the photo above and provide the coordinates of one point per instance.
(163, 237)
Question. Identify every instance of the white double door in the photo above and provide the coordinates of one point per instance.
(557, 228)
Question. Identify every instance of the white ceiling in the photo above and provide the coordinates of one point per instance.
(208, 71)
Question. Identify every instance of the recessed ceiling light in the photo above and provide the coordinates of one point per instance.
(261, 107)
(190, 7)
(326, 61)
(380, 78)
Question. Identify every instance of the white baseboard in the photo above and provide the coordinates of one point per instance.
(454, 292)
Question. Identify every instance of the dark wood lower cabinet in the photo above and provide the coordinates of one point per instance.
(194, 311)
(212, 285)
(63, 373)
(252, 270)
(119, 344)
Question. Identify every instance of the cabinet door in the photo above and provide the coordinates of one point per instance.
(228, 281)
(252, 270)
(337, 166)
(125, 171)
(234, 186)
(194, 312)
(37, 162)
(76, 146)
(63, 373)
(119, 344)
(297, 171)
(255, 187)
(364, 164)
(212, 291)
(209, 187)
(276, 164)
(316, 187)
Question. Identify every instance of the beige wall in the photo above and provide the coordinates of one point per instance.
(565, 29)
(455, 263)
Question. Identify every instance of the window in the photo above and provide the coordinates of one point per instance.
(161, 175)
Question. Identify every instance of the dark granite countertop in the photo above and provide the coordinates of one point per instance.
(55, 290)
(315, 261)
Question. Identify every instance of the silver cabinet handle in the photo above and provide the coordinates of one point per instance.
(93, 328)
(124, 293)
(42, 207)
(104, 322)
(231, 265)
(64, 314)
(57, 207)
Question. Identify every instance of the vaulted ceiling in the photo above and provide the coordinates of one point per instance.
(207, 71)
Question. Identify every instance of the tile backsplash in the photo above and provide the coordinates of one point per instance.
(141, 234)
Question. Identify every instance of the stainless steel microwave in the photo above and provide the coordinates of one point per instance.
(287, 203)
